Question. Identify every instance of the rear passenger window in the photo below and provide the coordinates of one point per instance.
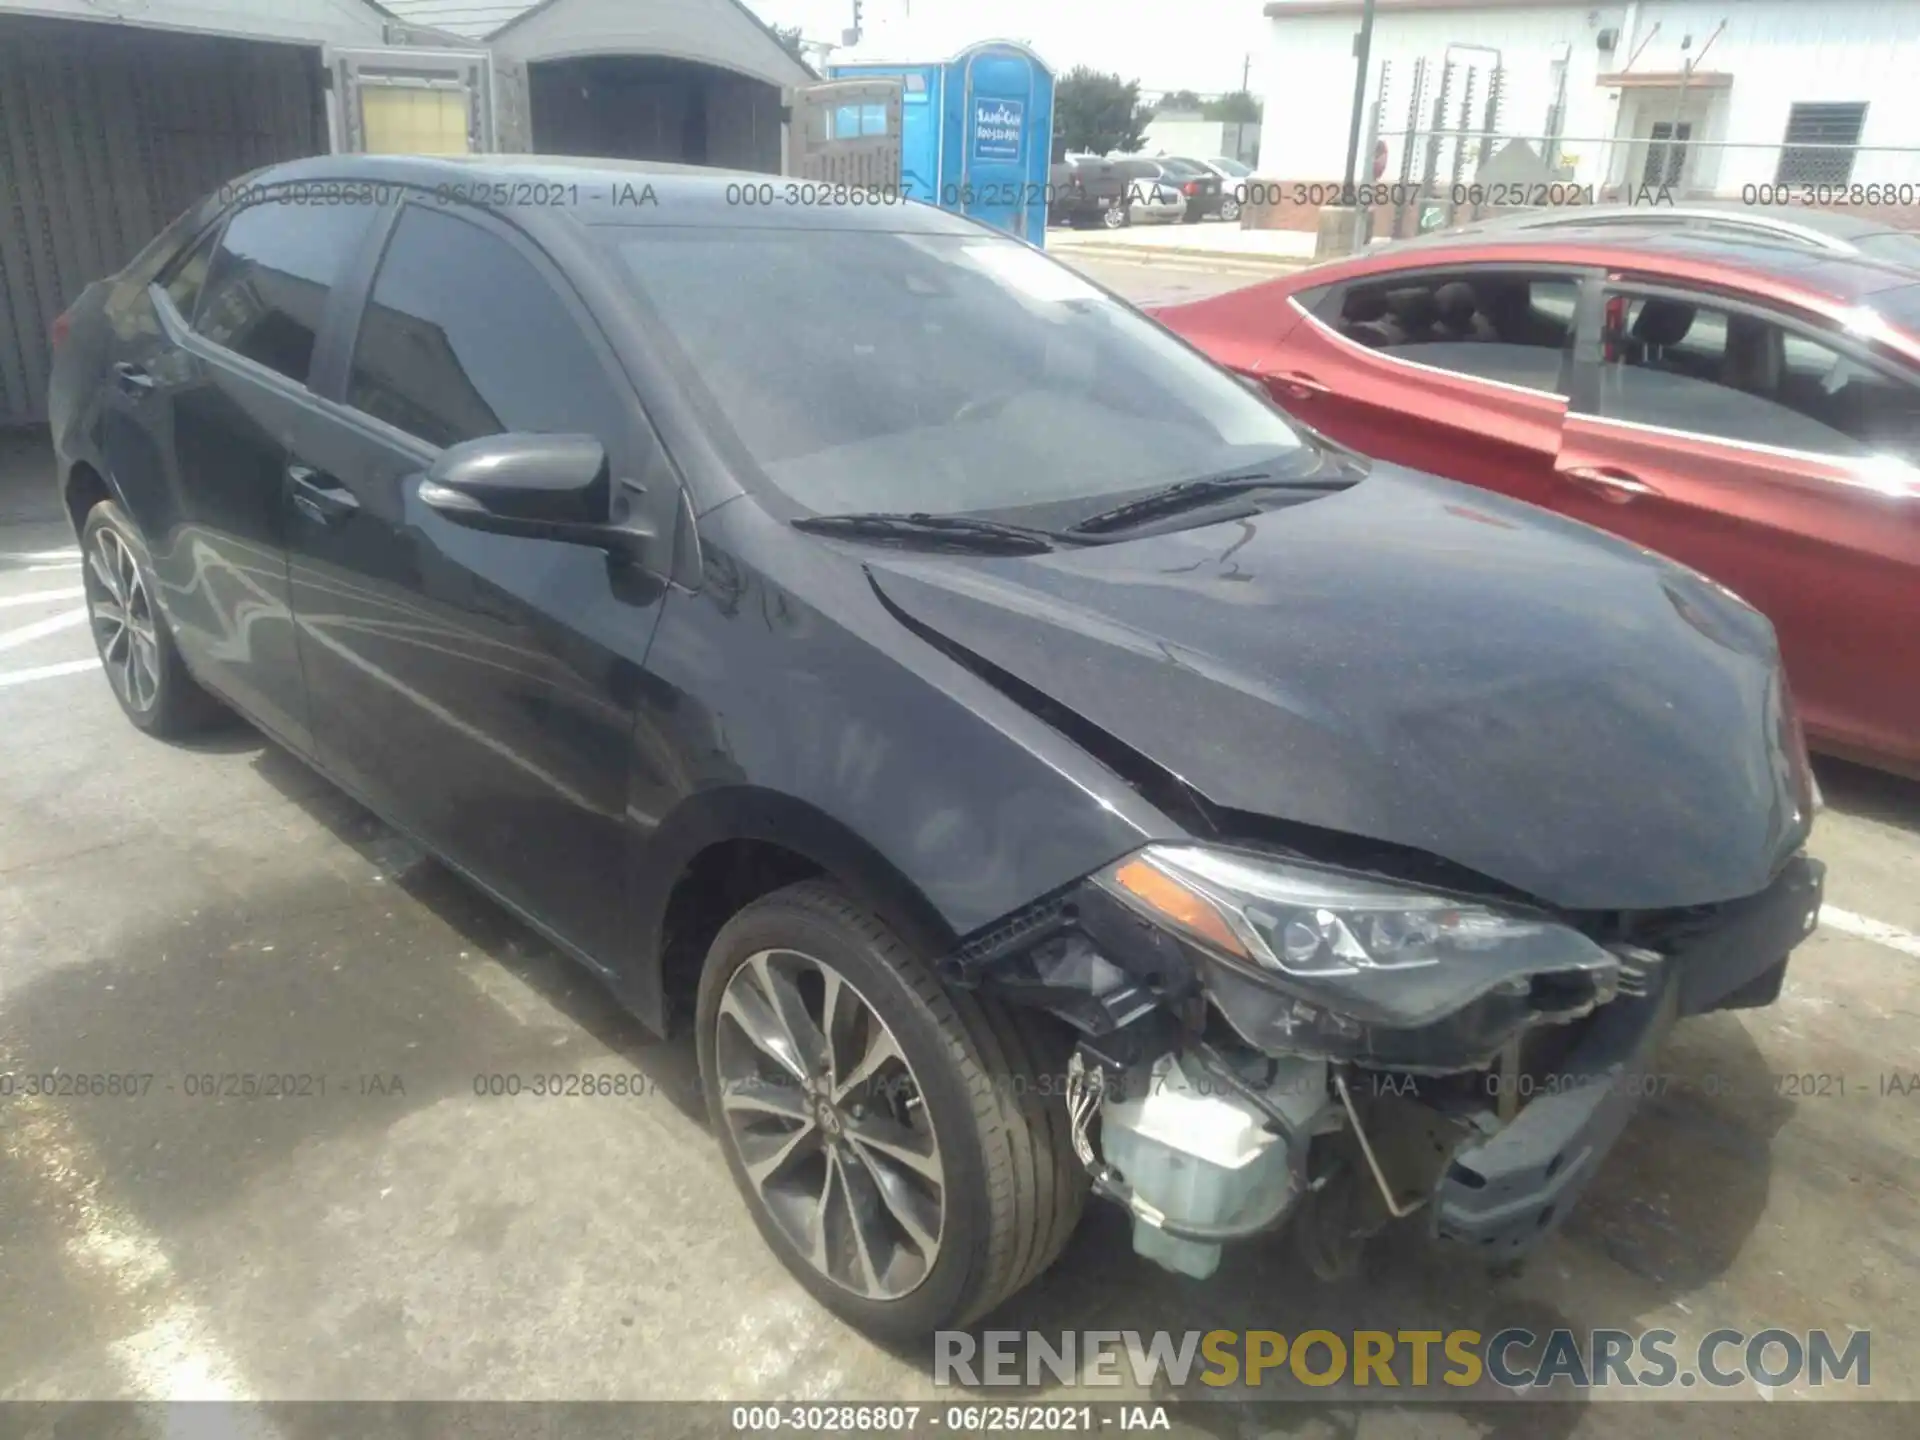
(463, 337)
(1506, 327)
(266, 289)
(189, 275)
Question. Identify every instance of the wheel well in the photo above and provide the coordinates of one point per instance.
(84, 490)
(717, 884)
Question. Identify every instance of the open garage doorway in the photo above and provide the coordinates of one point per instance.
(650, 107)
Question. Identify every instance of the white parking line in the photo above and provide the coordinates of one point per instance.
(47, 672)
(1892, 936)
(42, 597)
(35, 557)
(39, 629)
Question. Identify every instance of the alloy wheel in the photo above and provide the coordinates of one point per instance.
(123, 620)
(830, 1124)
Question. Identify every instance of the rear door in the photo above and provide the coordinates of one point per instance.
(477, 689)
(1462, 371)
(227, 391)
(1776, 455)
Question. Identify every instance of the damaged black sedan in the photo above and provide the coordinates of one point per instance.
(1033, 766)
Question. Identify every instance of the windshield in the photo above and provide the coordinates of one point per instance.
(944, 374)
(1235, 168)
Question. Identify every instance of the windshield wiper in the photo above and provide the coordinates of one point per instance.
(1191, 494)
(972, 533)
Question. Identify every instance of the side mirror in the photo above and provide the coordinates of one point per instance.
(537, 487)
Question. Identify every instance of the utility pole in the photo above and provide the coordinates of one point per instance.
(1246, 72)
(1363, 51)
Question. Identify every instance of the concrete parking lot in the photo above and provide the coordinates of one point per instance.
(190, 912)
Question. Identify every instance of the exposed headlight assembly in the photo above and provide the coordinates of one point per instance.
(1305, 957)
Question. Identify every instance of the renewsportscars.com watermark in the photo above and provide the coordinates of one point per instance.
(1516, 1358)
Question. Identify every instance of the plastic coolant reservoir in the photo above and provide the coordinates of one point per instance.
(1195, 1151)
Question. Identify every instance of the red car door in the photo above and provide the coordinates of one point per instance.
(1462, 371)
(1764, 452)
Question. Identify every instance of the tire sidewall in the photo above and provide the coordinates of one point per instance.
(107, 515)
(784, 921)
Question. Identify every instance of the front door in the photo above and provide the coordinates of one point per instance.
(996, 130)
(1776, 457)
(478, 689)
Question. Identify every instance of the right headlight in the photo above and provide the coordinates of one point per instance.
(1336, 951)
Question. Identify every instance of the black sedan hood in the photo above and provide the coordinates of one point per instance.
(1416, 662)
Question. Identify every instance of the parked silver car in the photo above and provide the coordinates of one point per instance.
(1234, 175)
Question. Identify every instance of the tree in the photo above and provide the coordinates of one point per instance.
(789, 38)
(1095, 113)
(1178, 100)
(1236, 107)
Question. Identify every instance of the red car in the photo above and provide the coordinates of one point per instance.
(1752, 410)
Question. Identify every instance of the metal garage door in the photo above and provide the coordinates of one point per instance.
(108, 132)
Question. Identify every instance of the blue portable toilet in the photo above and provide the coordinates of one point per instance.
(976, 128)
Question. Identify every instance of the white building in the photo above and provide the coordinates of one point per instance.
(1188, 133)
(1706, 97)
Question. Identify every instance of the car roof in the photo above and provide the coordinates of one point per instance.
(614, 192)
(1833, 274)
(1832, 223)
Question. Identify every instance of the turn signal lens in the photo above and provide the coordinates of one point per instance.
(1157, 890)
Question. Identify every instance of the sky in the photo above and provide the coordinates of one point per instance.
(1196, 45)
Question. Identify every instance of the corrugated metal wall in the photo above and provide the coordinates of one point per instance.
(108, 132)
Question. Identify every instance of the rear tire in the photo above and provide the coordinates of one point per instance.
(143, 665)
(974, 1103)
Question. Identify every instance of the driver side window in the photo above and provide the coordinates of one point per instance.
(463, 337)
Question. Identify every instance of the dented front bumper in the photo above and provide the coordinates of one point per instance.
(1506, 1192)
(1492, 1119)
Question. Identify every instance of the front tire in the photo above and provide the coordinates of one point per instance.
(902, 1148)
(143, 665)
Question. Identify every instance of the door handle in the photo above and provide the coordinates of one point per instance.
(1619, 486)
(318, 496)
(1300, 384)
(132, 380)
